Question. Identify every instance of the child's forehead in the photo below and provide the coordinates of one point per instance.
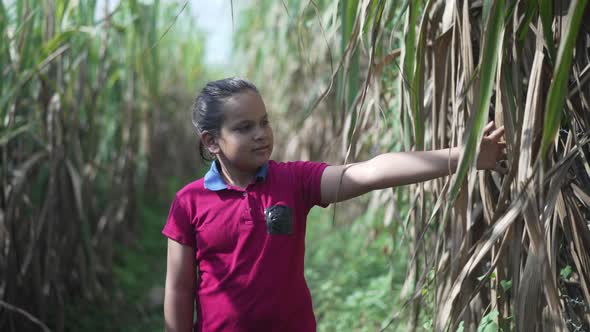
(246, 98)
(244, 106)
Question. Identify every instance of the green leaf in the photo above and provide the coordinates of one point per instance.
(461, 327)
(347, 17)
(488, 322)
(566, 272)
(487, 4)
(489, 60)
(546, 13)
(57, 41)
(5, 137)
(408, 70)
(490, 327)
(417, 83)
(558, 88)
(506, 284)
(531, 7)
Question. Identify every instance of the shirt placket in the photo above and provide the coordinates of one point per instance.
(247, 213)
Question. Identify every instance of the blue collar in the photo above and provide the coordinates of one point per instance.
(214, 181)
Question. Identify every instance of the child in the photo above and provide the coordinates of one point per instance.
(243, 224)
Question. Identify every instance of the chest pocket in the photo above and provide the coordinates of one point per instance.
(279, 220)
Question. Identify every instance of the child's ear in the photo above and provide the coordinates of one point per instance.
(210, 142)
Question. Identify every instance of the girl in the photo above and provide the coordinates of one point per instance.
(243, 224)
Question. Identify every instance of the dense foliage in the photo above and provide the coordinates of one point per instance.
(88, 101)
(354, 78)
(93, 103)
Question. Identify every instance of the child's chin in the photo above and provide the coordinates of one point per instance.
(255, 163)
(262, 158)
(261, 162)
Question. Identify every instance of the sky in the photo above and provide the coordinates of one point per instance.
(214, 18)
(211, 16)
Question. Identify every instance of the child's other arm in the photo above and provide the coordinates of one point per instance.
(387, 170)
(180, 287)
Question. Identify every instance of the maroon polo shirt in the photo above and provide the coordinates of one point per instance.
(249, 246)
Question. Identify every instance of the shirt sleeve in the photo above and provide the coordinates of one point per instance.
(309, 176)
(178, 225)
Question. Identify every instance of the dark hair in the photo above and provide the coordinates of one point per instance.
(207, 108)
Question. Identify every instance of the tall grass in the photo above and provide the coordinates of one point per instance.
(507, 251)
(86, 97)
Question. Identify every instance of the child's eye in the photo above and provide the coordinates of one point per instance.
(265, 123)
(243, 128)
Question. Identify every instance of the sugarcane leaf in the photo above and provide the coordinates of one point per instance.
(530, 9)
(558, 88)
(417, 83)
(488, 63)
(546, 13)
(5, 137)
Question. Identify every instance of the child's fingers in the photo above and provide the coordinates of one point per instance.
(488, 127)
(497, 133)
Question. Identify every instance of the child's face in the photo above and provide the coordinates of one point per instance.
(245, 139)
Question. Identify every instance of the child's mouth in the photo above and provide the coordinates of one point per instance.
(262, 148)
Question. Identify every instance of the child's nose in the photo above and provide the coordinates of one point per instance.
(260, 133)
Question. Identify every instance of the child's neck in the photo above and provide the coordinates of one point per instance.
(235, 177)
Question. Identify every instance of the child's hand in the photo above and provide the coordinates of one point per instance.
(491, 150)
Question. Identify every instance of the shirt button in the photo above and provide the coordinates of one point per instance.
(244, 194)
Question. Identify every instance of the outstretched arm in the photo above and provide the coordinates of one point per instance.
(387, 170)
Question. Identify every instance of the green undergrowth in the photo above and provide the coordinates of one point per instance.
(354, 272)
(138, 270)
